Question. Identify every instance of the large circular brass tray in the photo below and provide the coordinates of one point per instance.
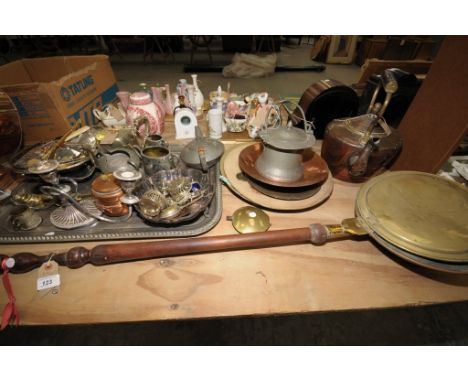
(420, 213)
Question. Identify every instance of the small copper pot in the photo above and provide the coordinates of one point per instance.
(107, 194)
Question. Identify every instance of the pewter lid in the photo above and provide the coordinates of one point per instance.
(287, 138)
(213, 150)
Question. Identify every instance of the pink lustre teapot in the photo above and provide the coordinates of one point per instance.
(140, 104)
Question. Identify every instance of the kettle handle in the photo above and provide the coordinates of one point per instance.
(374, 98)
(390, 86)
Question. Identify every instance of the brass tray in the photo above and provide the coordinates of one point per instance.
(134, 228)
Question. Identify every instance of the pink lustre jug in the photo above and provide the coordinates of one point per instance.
(140, 104)
(158, 99)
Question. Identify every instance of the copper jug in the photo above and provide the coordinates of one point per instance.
(360, 147)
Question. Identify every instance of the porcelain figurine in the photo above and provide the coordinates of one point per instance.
(181, 87)
(262, 115)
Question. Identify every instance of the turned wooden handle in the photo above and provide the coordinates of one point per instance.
(26, 261)
(115, 253)
(76, 257)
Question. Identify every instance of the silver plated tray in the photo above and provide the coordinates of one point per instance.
(134, 228)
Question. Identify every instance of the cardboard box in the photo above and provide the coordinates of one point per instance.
(52, 93)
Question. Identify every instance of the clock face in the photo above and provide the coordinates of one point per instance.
(185, 120)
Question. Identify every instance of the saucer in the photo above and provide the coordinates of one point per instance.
(315, 168)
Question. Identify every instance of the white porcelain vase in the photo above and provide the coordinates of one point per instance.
(198, 96)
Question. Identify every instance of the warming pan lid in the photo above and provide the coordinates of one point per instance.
(418, 212)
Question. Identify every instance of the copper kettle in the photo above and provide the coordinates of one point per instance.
(360, 147)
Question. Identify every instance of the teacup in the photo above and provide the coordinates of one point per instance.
(108, 119)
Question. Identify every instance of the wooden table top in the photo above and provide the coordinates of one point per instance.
(340, 275)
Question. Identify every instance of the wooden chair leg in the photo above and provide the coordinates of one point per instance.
(260, 44)
(116, 49)
(161, 50)
(209, 54)
(191, 53)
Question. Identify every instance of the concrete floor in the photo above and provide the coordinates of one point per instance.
(432, 325)
(130, 72)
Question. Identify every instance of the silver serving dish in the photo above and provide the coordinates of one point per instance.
(173, 212)
(69, 156)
